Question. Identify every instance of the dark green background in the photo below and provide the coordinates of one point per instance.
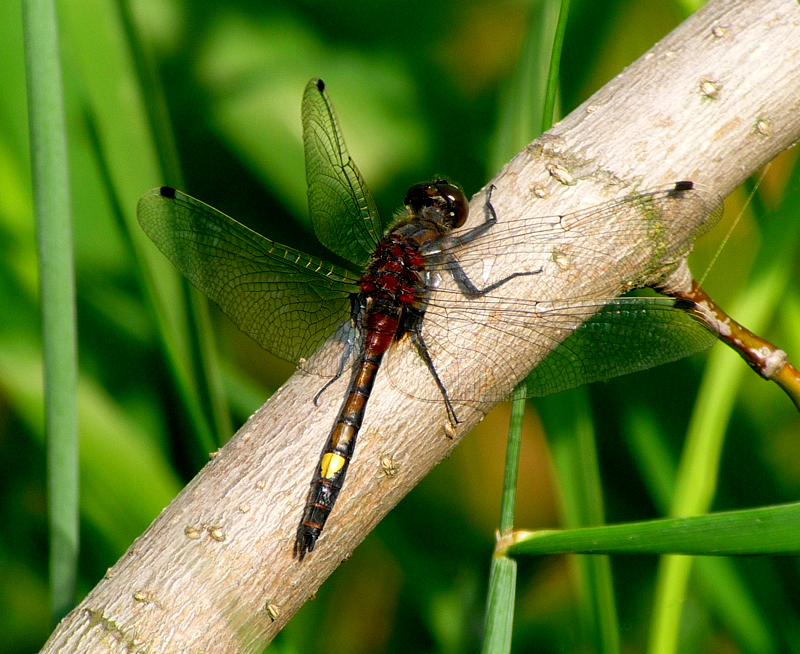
(419, 87)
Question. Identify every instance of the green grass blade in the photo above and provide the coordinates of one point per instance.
(127, 149)
(568, 423)
(156, 286)
(201, 334)
(521, 113)
(512, 457)
(720, 583)
(503, 573)
(773, 530)
(582, 488)
(500, 606)
(697, 474)
(522, 106)
(732, 601)
(522, 110)
(57, 283)
(555, 64)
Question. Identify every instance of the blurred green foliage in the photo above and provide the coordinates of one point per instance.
(419, 90)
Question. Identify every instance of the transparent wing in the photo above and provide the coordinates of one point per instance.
(287, 301)
(579, 330)
(344, 215)
(625, 336)
(632, 236)
(580, 342)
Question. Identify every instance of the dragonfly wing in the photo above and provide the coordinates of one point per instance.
(580, 341)
(625, 336)
(633, 238)
(344, 215)
(289, 302)
(634, 241)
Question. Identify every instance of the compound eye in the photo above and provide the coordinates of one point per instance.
(441, 195)
(457, 205)
(418, 196)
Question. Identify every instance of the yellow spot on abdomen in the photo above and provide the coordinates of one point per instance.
(331, 464)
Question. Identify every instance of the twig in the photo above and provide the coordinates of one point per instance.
(761, 355)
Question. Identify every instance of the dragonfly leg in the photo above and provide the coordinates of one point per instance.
(454, 241)
(413, 326)
(357, 307)
(489, 220)
(465, 284)
(339, 371)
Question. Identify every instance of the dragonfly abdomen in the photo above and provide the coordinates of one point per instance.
(380, 332)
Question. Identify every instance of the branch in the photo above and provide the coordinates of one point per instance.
(712, 102)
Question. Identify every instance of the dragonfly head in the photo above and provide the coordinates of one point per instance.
(438, 200)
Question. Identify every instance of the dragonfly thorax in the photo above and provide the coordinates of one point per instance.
(394, 273)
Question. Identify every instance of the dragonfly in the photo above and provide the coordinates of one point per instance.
(422, 286)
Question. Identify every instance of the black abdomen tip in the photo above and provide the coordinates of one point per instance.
(306, 540)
